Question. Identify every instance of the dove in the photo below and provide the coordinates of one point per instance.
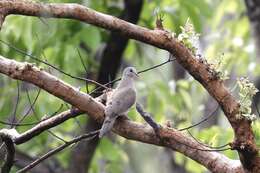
(121, 100)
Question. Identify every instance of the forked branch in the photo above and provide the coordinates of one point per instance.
(172, 138)
(244, 138)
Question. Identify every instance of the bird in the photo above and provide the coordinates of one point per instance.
(121, 100)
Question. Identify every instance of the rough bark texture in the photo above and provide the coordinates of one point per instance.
(47, 124)
(168, 137)
(244, 141)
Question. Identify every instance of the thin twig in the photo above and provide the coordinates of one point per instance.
(209, 150)
(207, 118)
(49, 131)
(156, 127)
(153, 67)
(201, 143)
(33, 123)
(42, 52)
(147, 117)
(87, 136)
(56, 136)
(46, 124)
(57, 111)
(19, 124)
(50, 65)
(17, 102)
(31, 104)
(37, 117)
(200, 122)
(142, 71)
(85, 68)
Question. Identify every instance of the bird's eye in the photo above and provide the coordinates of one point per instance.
(131, 70)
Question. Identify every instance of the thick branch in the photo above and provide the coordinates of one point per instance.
(47, 124)
(56, 150)
(162, 39)
(171, 138)
(27, 72)
(244, 138)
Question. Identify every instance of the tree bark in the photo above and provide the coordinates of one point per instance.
(167, 137)
(244, 141)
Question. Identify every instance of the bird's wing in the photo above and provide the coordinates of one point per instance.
(121, 101)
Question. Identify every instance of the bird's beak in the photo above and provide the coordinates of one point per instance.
(136, 74)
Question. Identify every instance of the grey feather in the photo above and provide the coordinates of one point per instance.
(122, 99)
(107, 126)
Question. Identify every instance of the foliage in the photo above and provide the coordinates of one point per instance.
(218, 65)
(189, 37)
(246, 93)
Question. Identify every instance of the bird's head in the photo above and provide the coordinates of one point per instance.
(130, 72)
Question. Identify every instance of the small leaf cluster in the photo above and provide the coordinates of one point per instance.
(246, 92)
(188, 36)
(218, 65)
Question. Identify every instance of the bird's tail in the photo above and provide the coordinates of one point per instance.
(107, 126)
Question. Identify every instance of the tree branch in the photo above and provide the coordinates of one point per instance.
(30, 73)
(87, 136)
(172, 138)
(244, 138)
(22, 160)
(47, 124)
(244, 141)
